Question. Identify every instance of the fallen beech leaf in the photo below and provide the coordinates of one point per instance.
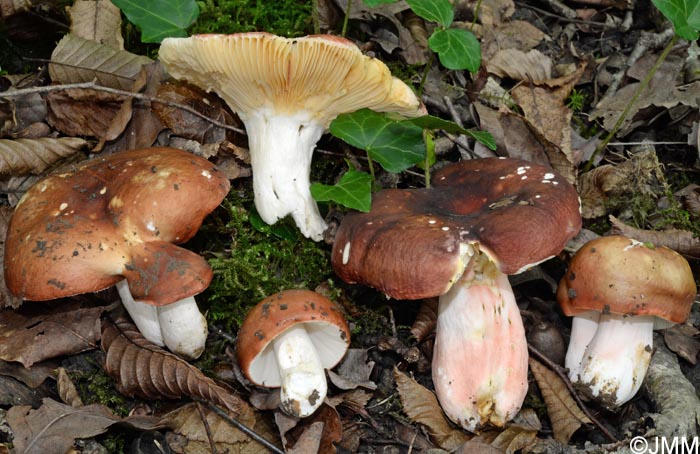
(353, 371)
(422, 407)
(55, 426)
(478, 445)
(77, 60)
(310, 440)
(684, 340)
(22, 156)
(66, 389)
(58, 329)
(7, 299)
(680, 241)
(294, 434)
(187, 421)
(33, 376)
(518, 65)
(564, 414)
(519, 435)
(143, 369)
(426, 319)
(97, 20)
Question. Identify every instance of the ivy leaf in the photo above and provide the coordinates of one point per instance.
(439, 11)
(159, 19)
(432, 122)
(280, 229)
(395, 145)
(354, 190)
(684, 14)
(373, 3)
(456, 49)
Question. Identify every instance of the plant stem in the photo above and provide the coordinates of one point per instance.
(476, 15)
(640, 89)
(345, 19)
(315, 18)
(370, 166)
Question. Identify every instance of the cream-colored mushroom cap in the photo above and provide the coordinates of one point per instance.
(322, 74)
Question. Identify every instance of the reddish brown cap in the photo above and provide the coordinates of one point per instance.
(113, 218)
(411, 244)
(275, 314)
(622, 276)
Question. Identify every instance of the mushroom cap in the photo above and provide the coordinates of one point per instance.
(112, 218)
(412, 243)
(323, 75)
(322, 318)
(620, 275)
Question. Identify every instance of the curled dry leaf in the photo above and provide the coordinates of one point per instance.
(42, 331)
(422, 407)
(146, 370)
(680, 241)
(426, 319)
(77, 60)
(353, 371)
(99, 21)
(66, 389)
(684, 340)
(564, 414)
(295, 433)
(23, 156)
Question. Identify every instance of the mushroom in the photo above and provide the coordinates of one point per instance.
(287, 340)
(113, 220)
(286, 92)
(619, 290)
(481, 220)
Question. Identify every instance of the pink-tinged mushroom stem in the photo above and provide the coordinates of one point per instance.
(301, 372)
(615, 361)
(583, 328)
(281, 147)
(480, 357)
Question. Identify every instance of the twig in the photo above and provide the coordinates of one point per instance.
(240, 426)
(557, 369)
(563, 18)
(116, 91)
(203, 417)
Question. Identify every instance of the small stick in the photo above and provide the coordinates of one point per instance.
(203, 417)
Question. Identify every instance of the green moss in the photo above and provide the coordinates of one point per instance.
(288, 18)
(259, 260)
(96, 387)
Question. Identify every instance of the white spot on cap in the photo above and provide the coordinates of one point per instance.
(555, 183)
(537, 196)
(150, 226)
(445, 228)
(520, 170)
(546, 181)
(633, 244)
(524, 177)
(63, 206)
(103, 190)
(346, 253)
(548, 176)
(431, 221)
(501, 178)
(206, 173)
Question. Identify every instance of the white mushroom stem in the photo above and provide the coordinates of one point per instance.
(178, 326)
(303, 379)
(616, 360)
(281, 147)
(480, 357)
(583, 328)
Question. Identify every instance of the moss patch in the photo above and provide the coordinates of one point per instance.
(288, 18)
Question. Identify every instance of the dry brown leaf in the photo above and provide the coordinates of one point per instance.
(293, 430)
(33, 377)
(353, 371)
(143, 369)
(426, 319)
(42, 331)
(97, 20)
(680, 241)
(310, 440)
(564, 414)
(20, 112)
(519, 435)
(684, 340)
(517, 34)
(518, 65)
(11, 7)
(23, 156)
(77, 60)
(478, 445)
(7, 299)
(66, 389)
(187, 421)
(422, 407)
(86, 112)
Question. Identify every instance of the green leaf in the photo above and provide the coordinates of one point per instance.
(354, 190)
(439, 11)
(395, 145)
(456, 49)
(684, 14)
(159, 19)
(280, 229)
(373, 3)
(431, 122)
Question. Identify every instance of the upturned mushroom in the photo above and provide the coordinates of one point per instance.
(286, 91)
(287, 340)
(116, 220)
(618, 290)
(481, 220)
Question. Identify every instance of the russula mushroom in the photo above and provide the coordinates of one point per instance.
(619, 290)
(286, 92)
(114, 220)
(288, 340)
(481, 220)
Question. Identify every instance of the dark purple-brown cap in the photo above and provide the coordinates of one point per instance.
(412, 243)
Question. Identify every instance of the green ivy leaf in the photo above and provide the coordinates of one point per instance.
(354, 190)
(159, 19)
(439, 11)
(456, 49)
(373, 3)
(432, 122)
(280, 229)
(395, 145)
(684, 14)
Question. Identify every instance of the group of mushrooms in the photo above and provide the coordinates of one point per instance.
(117, 220)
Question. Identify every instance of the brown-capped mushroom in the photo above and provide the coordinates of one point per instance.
(618, 290)
(116, 220)
(287, 340)
(286, 91)
(481, 220)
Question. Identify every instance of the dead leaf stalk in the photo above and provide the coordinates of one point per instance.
(212, 444)
(557, 369)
